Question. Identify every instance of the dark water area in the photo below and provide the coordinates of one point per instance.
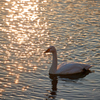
(28, 28)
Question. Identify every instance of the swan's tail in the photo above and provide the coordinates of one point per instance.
(88, 67)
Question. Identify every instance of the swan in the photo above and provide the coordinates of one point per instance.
(65, 68)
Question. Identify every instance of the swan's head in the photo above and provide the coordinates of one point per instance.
(51, 49)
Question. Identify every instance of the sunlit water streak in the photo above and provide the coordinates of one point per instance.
(28, 27)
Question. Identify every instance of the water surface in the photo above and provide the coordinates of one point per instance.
(28, 28)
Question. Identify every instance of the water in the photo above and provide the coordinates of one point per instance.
(28, 28)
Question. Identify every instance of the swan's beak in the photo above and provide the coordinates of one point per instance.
(48, 50)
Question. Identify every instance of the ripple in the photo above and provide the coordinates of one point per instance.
(28, 27)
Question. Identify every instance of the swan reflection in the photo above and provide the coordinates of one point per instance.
(52, 94)
(55, 78)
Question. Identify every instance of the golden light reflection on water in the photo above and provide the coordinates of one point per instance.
(25, 88)
(23, 20)
(24, 26)
(17, 79)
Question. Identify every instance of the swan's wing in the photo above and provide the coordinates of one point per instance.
(68, 68)
(62, 64)
(65, 65)
(71, 68)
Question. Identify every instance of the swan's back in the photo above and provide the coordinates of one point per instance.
(71, 68)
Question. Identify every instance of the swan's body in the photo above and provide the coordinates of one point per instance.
(65, 68)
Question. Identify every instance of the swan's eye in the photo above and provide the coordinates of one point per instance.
(51, 49)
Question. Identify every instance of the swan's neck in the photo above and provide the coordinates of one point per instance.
(53, 68)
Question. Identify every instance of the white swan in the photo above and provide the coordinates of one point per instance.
(65, 68)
